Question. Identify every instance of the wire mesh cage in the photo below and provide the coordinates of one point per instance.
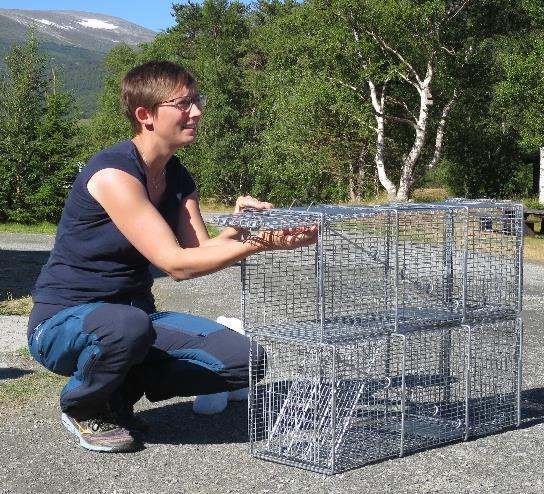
(333, 407)
(384, 268)
(396, 332)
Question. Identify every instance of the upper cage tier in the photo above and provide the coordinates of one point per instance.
(383, 268)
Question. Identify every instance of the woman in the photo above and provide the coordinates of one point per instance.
(94, 317)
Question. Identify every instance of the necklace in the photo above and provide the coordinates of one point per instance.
(156, 181)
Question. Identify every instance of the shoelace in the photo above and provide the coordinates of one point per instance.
(101, 425)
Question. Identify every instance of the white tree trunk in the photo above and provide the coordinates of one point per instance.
(408, 73)
(541, 178)
(440, 133)
(379, 158)
(407, 174)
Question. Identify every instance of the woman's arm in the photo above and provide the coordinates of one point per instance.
(192, 231)
(125, 200)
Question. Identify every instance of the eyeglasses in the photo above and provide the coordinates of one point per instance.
(185, 103)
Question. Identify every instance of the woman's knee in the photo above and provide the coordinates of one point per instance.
(121, 327)
(251, 360)
(245, 357)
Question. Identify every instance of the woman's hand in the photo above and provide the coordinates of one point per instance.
(290, 238)
(250, 202)
(287, 239)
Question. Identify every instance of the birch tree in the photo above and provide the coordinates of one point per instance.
(399, 46)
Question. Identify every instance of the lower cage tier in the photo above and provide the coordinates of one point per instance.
(330, 408)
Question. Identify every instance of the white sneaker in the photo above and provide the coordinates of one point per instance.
(210, 404)
(232, 323)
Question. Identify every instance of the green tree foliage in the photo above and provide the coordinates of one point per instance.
(37, 160)
(21, 106)
(484, 156)
(307, 134)
(209, 40)
(57, 134)
(290, 114)
(520, 92)
(108, 125)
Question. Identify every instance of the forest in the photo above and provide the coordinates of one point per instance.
(319, 101)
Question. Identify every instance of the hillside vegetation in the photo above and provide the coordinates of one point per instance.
(75, 53)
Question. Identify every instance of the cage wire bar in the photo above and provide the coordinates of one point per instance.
(397, 331)
(333, 407)
(383, 268)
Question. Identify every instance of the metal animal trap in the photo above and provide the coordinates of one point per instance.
(383, 268)
(333, 407)
(394, 333)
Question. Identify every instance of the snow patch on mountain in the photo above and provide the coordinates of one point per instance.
(52, 24)
(97, 24)
(88, 30)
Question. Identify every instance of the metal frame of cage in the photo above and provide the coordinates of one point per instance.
(398, 331)
(333, 407)
(384, 268)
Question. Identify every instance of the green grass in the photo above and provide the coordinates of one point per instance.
(533, 248)
(430, 195)
(51, 229)
(48, 228)
(24, 352)
(16, 306)
(30, 387)
(213, 231)
(529, 202)
(214, 206)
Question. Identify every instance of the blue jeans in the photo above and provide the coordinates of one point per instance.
(115, 353)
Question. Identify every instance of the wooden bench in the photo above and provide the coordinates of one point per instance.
(529, 225)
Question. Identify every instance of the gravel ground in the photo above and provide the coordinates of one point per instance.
(185, 453)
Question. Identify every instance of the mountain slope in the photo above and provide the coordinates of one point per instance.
(75, 41)
(96, 32)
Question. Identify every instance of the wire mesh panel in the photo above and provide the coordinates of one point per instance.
(358, 266)
(383, 268)
(330, 408)
(280, 287)
(326, 408)
(435, 366)
(494, 376)
(494, 258)
(430, 265)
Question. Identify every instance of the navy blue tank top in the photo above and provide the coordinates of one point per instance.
(92, 260)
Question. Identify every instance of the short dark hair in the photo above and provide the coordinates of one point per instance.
(149, 84)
